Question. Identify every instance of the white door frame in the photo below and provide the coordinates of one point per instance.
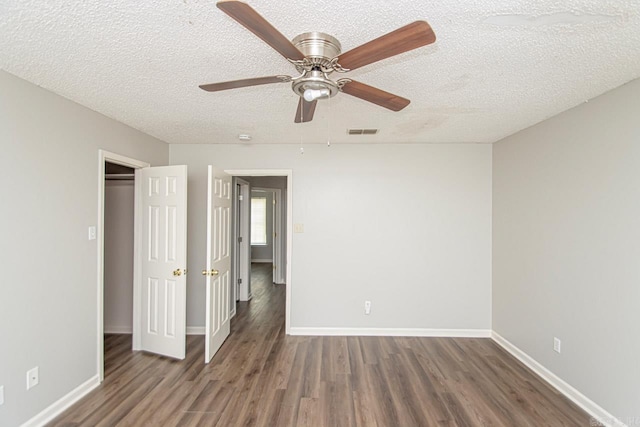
(241, 266)
(107, 156)
(289, 174)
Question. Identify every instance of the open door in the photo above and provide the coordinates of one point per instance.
(161, 194)
(217, 273)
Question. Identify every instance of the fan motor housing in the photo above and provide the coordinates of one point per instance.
(318, 48)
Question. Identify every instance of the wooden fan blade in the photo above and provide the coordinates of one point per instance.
(214, 87)
(375, 95)
(252, 21)
(308, 108)
(409, 37)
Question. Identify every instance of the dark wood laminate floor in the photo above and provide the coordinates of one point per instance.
(262, 377)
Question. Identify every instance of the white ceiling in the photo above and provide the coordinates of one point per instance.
(497, 66)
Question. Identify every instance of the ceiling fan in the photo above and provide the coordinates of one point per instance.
(316, 55)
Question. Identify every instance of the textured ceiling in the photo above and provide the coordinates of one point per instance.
(496, 67)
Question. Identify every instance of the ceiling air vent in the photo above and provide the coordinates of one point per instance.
(362, 131)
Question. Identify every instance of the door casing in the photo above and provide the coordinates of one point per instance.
(241, 253)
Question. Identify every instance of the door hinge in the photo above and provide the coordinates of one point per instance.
(274, 202)
(239, 281)
(240, 197)
(239, 239)
(275, 234)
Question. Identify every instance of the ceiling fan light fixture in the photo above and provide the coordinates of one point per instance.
(316, 55)
(311, 95)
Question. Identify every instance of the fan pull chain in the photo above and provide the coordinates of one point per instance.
(301, 147)
(329, 124)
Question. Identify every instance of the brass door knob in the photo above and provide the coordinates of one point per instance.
(210, 273)
(177, 272)
(214, 272)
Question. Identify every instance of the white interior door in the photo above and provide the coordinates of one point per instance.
(162, 202)
(217, 273)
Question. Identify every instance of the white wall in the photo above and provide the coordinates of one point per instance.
(49, 190)
(264, 253)
(566, 246)
(405, 226)
(118, 256)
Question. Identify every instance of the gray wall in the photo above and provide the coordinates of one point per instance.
(566, 246)
(262, 253)
(118, 256)
(405, 226)
(49, 188)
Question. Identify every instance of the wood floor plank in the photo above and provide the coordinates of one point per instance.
(262, 377)
(308, 412)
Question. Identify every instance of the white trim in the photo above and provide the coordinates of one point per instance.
(262, 260)
(63, 403)
(393, 332)
(118, 330)
(104, 156)
(241, 252)
(289, 174)
(195, 330)
(599, 413)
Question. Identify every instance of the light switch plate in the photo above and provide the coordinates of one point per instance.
(298, 228)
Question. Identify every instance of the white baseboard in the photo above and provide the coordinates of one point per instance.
(63, 403)
(596, 411)
(392, 332)
(195, 330)
(118, 330)
(260, 260)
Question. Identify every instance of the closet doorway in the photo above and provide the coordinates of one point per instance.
(115, 249)
(118, 248)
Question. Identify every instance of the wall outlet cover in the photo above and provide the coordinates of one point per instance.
(367, 307)
(33, 378)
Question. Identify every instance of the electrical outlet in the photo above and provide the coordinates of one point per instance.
(92, 232)
(556, 344)
(1, 395)
(367, 307)
(33, 377)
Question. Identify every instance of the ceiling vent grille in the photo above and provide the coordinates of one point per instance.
(362, 131)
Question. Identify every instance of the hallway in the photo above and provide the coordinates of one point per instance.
(262, 377)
